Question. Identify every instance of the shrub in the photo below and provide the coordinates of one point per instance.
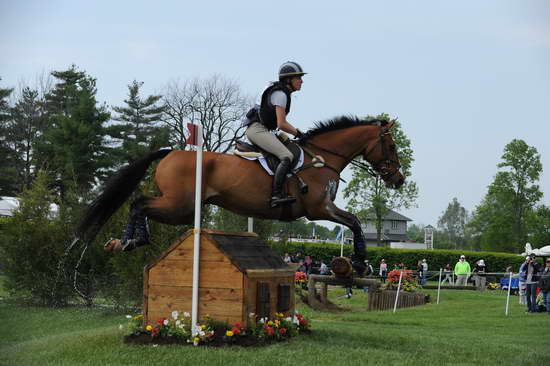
(437, 258)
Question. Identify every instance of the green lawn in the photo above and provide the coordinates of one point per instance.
(466, 328)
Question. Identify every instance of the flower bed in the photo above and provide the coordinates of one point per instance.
(177, 330)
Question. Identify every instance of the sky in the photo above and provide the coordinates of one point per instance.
(464, 78)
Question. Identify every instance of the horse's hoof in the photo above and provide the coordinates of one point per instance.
(112, 245)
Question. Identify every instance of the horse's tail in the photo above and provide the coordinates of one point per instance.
(117, 190)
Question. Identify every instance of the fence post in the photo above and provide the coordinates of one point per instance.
(508, 297)
(397, 294)
(439, 284)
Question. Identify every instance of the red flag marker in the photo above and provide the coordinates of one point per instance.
(193, 138)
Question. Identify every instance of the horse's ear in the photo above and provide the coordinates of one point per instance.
(390, 124)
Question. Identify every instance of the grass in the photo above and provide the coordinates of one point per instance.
(466, 328)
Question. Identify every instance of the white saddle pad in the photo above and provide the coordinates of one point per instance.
(264, 165)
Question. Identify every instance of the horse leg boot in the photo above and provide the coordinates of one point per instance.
(359, 251)
(277, 197)
(137, 224)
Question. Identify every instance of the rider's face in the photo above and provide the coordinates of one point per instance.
(296, 83)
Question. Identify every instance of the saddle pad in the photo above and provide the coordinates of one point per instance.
(263, 162)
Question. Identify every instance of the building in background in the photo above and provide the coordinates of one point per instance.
(394, 229)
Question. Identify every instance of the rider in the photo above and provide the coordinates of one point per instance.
(269, 114)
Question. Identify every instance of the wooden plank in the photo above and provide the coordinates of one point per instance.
(214, 302)
(208, 252)
(232, 233)
(145, 294)
(270, 273)
(180, 273)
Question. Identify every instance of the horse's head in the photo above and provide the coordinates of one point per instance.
(382, 155)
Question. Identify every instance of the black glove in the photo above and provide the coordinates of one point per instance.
(299, 134)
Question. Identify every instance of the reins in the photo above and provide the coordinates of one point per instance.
(359, 164)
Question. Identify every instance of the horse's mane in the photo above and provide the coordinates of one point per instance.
(340, 123)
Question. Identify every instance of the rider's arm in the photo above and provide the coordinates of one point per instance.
(282, 123)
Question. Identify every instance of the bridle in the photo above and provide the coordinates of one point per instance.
(379, 168)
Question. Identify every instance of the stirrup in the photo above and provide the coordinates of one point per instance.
(277, 201)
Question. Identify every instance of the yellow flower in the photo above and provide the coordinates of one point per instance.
(229, 333)
(196, 339)
(277, 323)
(149, 328)
(203, 326)
(270, 323)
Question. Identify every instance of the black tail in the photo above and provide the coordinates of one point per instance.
(117, 190)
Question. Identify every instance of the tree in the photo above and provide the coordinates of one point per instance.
(539, 226)
(216, 103)
(369, 194)
(74, 144)
(139, 127)
(500, 221)
(8, 182)
(452, 223)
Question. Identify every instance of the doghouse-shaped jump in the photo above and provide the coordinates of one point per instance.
(239, 274)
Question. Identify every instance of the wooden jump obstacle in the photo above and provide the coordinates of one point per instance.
(239, 274)
(378, 300)
(385, 300)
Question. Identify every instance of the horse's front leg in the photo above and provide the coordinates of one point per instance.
(332, 213)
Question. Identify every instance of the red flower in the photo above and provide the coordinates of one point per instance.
(282, 331)
(236, 331)
(304, 322)
(270, 331)
(161, 321)
(154, 332)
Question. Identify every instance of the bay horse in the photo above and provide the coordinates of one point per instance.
(243, 187)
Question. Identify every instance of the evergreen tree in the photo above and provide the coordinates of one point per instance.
(8, 170)
(73, 145)
(139, 127)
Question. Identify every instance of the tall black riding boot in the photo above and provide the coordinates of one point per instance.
(277, 197)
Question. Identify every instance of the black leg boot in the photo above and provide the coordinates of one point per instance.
(277, 197)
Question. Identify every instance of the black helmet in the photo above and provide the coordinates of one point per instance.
(290, 69)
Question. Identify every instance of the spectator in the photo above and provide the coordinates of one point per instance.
(369, 270)
(448, 274)
(308, 262)
(301, 267)
(531, 282)
(462, 270)
(522, 278)
(323, 269)
(479, 274)
(383, 270)
(424, 272)
(419, 269)
(287, 259)
(544, 284)
(297, 257)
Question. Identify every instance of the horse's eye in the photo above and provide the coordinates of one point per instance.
(392, 147)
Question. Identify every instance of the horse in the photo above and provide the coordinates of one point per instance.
(243, 187)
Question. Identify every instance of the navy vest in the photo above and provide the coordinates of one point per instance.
(267, 114)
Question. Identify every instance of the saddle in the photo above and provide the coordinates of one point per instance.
(253, 152)
(246, 150)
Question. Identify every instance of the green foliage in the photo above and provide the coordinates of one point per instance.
(368, 194)
(496, 262)
(138, 125)
(73, 145)
(452, 225)
(31, 246)
(500, 222)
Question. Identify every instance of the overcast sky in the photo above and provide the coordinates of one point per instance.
(464, 77)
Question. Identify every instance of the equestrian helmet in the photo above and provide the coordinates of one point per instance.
(290, 69)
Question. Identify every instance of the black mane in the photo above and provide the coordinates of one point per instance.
(340, 123)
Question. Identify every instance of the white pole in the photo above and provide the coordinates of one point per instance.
(197, 233)
(439, 284)
(508, 297)
(397, 294)
(342, 241)
(250, 225)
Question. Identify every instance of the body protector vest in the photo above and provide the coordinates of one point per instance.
(267, 114)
